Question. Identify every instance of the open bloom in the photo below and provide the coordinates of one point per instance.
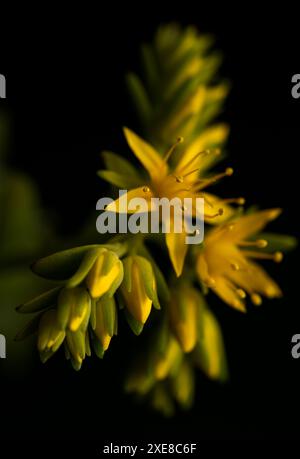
(226, 262)
(181, 181)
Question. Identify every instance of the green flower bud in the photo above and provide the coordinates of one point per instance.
(50, 335)
(74, 307)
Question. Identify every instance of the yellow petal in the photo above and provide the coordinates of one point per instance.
(251, 224)
(177, 248)
(147, 155)
(120, 205)
(214, 136)
(99, 283)
(227, 292)
(254, 279)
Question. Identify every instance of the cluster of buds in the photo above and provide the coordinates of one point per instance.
(82, 313)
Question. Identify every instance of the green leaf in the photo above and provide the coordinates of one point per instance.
(43, 301)
(150, 67)
(85, 266)
(120, 180)
(127, 266)
(146, 271)
(117, 163)
(161, 283)
(61, 265)
(139, 96)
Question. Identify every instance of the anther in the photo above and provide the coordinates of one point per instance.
(278, 256)
(146, 189)
(229, 171)
(239, 201)
(241, 293)
(260, 243)
(206, 182)
(256, 299)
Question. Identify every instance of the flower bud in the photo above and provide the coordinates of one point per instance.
(183, 311)
(105, 275)
(139, 287)
(74, 307)
(50, 335)
(106, 320)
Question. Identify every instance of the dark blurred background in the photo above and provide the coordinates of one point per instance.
(66, 101)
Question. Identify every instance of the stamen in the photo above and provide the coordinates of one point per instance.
(201, 153)
(241, 293)
(277, 256)
(204, 183)
(237, 303)
(191, 172)
(218, 214)
(256, 299)
(172, 148)
(146, 189)
(260, 243)
(239, 201)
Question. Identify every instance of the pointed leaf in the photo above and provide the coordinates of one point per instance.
(41, 302)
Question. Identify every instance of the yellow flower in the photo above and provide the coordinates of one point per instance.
(181, 182)
(184, 315)
(225, 263)
(139, 287)
(105, 275)
(50, 335)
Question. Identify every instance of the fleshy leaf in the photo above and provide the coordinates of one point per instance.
(41, 302)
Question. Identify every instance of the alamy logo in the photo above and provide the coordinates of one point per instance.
(153, 215)
(2, 347)
(2, 87)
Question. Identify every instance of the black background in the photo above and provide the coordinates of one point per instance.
(66, 95)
